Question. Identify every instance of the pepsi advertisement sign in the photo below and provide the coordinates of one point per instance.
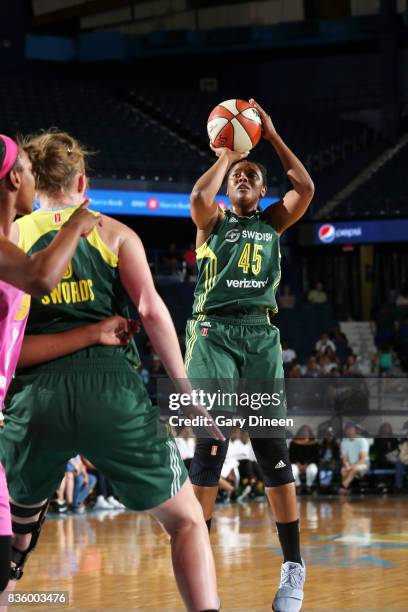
(361, 232)
(151, 204)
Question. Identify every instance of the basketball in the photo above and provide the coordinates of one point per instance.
(234, 124)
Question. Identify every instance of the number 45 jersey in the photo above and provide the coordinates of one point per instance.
(238, 268)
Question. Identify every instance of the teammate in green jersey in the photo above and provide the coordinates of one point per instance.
(93, 402)
(230, 335)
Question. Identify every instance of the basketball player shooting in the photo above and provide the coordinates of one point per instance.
(235, 317)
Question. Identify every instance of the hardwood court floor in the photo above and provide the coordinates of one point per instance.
(356, 554)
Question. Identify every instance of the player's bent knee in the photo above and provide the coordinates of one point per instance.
(273, 458)
(186, 524)
(206, 466)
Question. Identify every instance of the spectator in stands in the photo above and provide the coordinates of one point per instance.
(341, 343)
(332, 357)
(237, 451)
(295, 370)
(351, 367)
(325, 365)
(171, 261)
(384, 327)
(354, 457)
(288, 354)
(156, 371)
(383, 361)
(402, 298)
(329, 461)
(312, 369)
(60, 502)
(338, 337)
(304, 456)
(186, 444)
(250, 472)
(403, 343)
(78, 484)
(190, 263)
(286, 299)
(324, 343)
(385, 450)
(317, 295)
(144, 373)
(105, 500)
(402, 464)
(156, 368)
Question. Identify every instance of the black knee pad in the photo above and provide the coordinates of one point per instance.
(5, 559)
(206, 466)
(273, 457)
(34, 528)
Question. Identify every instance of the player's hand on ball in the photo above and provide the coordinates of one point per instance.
(84, 219)
(268, 129)
(233, 156)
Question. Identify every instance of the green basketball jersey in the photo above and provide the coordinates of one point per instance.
(238, 268)
(90, 289)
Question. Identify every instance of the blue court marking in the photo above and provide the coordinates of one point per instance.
(339, 556)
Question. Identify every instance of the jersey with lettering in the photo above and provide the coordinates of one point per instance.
(238, 267)
(90, 289)
(14, 307)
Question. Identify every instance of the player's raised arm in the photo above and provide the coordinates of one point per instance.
(204, 210)
(295, 202)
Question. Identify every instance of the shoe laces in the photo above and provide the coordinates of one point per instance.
(292, 575)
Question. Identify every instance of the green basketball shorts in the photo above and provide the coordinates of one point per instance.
(100, 409)
(223, 351)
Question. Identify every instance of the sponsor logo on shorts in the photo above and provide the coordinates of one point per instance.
(245, 283)
(280, 464)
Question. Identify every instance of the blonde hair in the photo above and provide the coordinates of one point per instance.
(56, 158)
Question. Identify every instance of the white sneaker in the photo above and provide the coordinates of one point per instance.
(244, 494)
(289, 596)
(115, 503)
(102, 504)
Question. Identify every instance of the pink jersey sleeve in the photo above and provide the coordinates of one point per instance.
(14, 309)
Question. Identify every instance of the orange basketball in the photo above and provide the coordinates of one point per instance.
(234, 124)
